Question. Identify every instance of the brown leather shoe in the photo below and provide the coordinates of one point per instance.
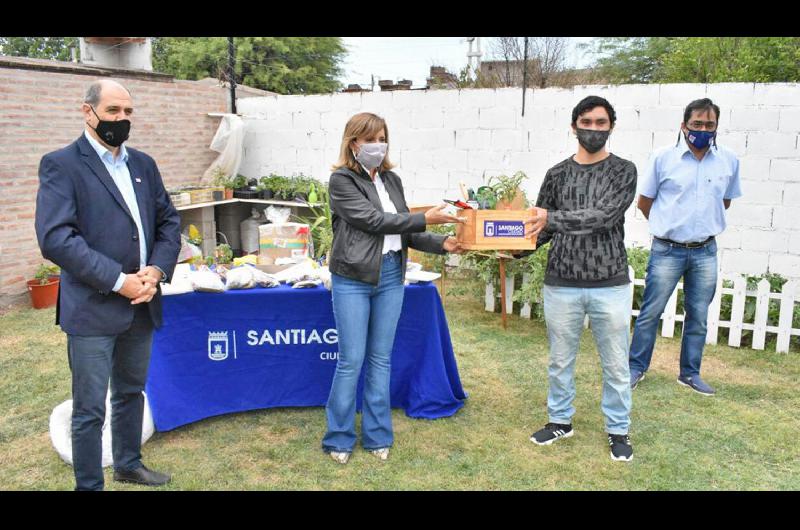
(142, 476)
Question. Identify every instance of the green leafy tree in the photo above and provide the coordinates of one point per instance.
(726, 59)
(697, 59)
(629, 59)
(56, 48)
(286, 65)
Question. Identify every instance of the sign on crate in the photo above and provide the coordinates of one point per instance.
(494, 230)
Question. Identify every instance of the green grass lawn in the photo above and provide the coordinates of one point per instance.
(744, 438)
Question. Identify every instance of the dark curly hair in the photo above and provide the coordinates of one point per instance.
(590, 102)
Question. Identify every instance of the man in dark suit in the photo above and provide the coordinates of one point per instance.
(103, 216)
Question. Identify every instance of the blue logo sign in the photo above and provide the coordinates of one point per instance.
(504, 229)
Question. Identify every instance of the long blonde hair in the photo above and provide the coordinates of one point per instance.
(360, 125)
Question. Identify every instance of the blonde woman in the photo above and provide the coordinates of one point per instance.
(372, 230)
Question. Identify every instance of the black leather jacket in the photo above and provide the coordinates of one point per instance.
(359, 224)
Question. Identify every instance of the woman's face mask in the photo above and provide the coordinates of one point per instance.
(371, 155)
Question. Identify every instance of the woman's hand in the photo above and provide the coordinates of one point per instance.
(435, 216)
(452, 245)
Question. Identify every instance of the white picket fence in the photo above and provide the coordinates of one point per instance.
(736, 325)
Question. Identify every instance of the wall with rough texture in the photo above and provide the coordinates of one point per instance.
(441, 137)
(40, 112)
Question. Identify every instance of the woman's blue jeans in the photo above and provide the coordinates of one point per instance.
(366, 320)
(667, 264)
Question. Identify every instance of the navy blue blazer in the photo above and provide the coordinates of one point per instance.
(84, 226)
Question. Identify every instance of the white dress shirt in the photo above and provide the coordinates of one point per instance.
(390, 241)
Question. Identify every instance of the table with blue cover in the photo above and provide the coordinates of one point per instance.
(219, 353)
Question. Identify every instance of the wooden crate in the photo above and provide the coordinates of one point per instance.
(494, 230)
(201, 195)
(180, 199)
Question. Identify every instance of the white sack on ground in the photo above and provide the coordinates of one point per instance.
(61, 430)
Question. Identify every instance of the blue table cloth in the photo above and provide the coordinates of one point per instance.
(261, 348)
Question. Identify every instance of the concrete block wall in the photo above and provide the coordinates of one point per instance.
(40, 112)
(439, 138)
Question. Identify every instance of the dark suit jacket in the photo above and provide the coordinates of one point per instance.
(84, 226)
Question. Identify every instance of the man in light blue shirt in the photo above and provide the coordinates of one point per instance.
(684, 194)
(117, 167)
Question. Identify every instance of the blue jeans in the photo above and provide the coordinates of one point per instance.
(123, 359)
(609, 310)
(667, 264)
(366, 321)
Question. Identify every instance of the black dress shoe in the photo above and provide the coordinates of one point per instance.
(142, 476)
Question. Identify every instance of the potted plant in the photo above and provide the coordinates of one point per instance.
(223, 254)
(221, 179)
(245, 188)
(300, 186)
(321, 225)
(239, 182)
(44, 286)
(265, 185)
(282, 188)
(509, 194)
(486, 198)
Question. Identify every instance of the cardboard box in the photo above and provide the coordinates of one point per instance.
(284, 240)
(494, 230)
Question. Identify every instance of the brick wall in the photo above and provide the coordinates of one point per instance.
(40, 112)
(441, 137)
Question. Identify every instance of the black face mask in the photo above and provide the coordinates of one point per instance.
(112, 132)
(591, 140)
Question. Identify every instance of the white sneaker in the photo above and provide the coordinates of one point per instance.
(381, 454)
(341, 458)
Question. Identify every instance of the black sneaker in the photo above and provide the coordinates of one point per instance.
(621, 448)
(551, 432)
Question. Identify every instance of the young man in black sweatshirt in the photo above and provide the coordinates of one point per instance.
(581, 211)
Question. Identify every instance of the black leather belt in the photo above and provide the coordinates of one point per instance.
(686, 245)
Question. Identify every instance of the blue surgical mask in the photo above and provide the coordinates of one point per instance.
(700, 139)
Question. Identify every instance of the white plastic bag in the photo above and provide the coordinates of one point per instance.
(240, 278)
(278, 214)
(263, 279)
(61, 430)
(206, 280)
(180, 282)
(228, 142)
(188, 250)
(304, 284)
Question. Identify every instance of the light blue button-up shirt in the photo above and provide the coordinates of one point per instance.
(688, 192)
(118, 169)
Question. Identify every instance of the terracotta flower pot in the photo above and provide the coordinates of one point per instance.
(228, 193)
(43, 296)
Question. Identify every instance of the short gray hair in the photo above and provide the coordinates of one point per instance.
(92, 96)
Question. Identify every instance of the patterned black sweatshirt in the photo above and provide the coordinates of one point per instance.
(586, 206)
